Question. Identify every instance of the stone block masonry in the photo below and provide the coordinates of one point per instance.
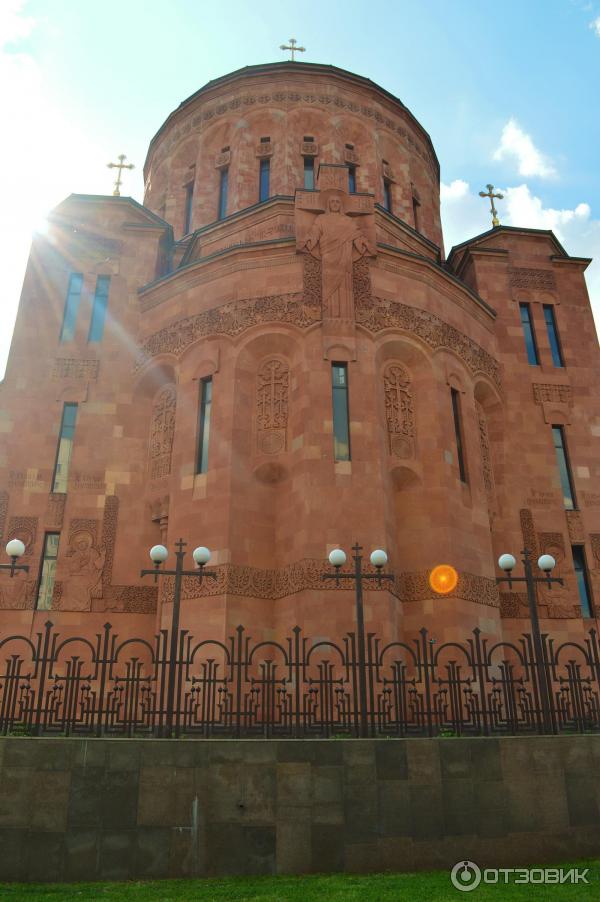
(114, 809)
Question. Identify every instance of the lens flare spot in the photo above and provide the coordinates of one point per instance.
(443, 579)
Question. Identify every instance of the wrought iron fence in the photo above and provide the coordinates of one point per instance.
(59, 685)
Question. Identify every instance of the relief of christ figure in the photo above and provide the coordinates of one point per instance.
(336, 240)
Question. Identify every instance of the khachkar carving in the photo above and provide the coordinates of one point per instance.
(272, 405)
(73, 368)
(575, 527)
(528, 531)
(163, 430)
(3, 512)
(399, 412)
(486, 460)
(521, 277)
(232, 318)
(559, 394)
(558, 600)
(17, 593)
(55, 510)
(595, 542)
(380, 313)
(335, 239)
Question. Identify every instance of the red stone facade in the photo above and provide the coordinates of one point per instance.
(263, 301)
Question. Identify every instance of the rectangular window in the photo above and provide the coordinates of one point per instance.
(530, 343)
(458, 434)
(415, 206)
(263, 180)
(65, 447)
(583, 581)
(309, 173)
(550, 319)
(189, 198)
(387, 195)
(204, 424)
(99, 309)
(341, 416)
(352, 179)
(67, 332)
(47, 571)
(564, 469)
(223, 183)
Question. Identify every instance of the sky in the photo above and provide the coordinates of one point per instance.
(508, 92)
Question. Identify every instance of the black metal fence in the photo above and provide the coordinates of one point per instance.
(55, 685)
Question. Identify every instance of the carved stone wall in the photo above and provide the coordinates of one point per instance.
(559, 394)
(25, 529)
(399, 412)
(272, 390)
(486, 460)
(523, 277)
(55, 510)
(384, 314)
(162, 432)
(75, 368)
(528, 531)
(595, 542)
(313, 282)
(575, 527)
(3, 512)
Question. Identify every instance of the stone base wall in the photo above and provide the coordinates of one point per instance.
(76, 809)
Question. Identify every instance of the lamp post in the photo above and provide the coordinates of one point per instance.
(15, 549)
(546, 563)
(378, 558)
(159, 554)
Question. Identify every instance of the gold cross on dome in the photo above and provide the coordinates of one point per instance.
(120, 166)
(292, 46)
(490, 193)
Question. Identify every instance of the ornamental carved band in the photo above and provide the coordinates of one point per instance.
(399, 411)
(272, 387)
(484, 445)
(163, 429)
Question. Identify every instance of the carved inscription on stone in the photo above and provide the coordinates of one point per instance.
(591, 499)
(72, 368)
(522, 277)
(399, 412)
(559, 394)
(272, 388)
(163, 430)
(25, 479)
(87, 482)
(541, 499)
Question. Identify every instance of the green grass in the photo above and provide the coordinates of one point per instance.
(422, 887)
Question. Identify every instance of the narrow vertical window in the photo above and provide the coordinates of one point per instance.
(65, 447)
(529, 335)
(415, 206)
(583, 582)
(564, 469)
(67, 332)
(189, 198)
(352, 179)
(341, 418)
(47, 571)
(309, 172)
(204, 424)
(387, 195)
(99, 309)
(263, 180)
(550, 319)
(458, 434)
(223, 184)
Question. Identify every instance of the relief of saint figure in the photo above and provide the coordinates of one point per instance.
(84, 566)
(336, 240)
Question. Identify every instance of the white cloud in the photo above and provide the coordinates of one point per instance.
(518, 144)
(464, 215)
(13, 24)
(595, 25)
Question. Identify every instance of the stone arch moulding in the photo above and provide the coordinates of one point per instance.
(154, 373)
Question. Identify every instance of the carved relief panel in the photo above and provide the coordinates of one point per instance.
(486, 459)
(399, 411)
(162, 432)
(272, 399)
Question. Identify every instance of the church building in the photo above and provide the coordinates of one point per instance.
(273, 357)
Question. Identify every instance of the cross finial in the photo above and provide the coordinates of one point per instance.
(120, 166)
(292, 46)
(490, 193)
